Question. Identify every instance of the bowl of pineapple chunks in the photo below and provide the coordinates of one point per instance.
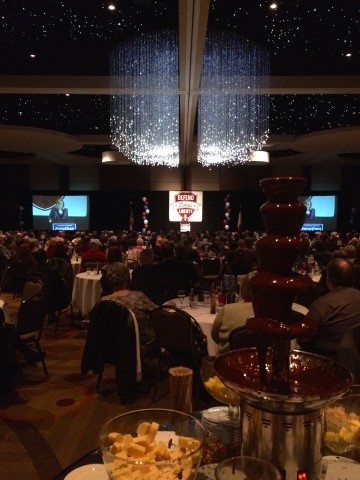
(342, 426)
(152, 444)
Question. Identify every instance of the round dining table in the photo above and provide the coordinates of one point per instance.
(86, 291)
(205, 319)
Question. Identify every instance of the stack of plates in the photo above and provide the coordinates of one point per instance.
(226, 428)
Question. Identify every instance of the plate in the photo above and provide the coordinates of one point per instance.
(207, 472)
(94, 471)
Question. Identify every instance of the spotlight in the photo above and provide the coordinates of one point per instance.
(67, 94)
(348, 55)
(32, 55)
(273, 6)
(111, 7)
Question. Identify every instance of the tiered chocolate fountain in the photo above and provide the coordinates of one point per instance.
(283, 391)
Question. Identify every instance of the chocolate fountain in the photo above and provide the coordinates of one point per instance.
(282, 391)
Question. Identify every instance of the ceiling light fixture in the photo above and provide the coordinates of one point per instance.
(259, 156)
(273, 6)
(348, 55)
(112, 156)
(145, 123)
(233, 118)
(67, 94)
(111, 7)
(32, 55)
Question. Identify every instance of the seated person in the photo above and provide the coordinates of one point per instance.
(93, 255)
(113, 264)
(136, 301)
(231, 316)
(149, 278)
(336, 311)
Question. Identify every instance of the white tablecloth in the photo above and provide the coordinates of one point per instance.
(86, 292)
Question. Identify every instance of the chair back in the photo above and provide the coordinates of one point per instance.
(348, 353)
(64, 269)
(211, 267)
(31, 315)
(31, 289)
(17, 275)
(241, 337)
(172, 329)
(111, 338)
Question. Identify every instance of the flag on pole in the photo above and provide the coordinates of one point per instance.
(131, 219)
(240, 220)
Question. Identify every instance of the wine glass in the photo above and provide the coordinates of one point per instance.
(181, 295)
(223, 422)
(246, 467)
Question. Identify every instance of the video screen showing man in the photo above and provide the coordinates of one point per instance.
(58, 212)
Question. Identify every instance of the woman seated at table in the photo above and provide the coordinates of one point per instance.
(136, 301)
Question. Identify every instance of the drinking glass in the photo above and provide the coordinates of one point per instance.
(248, 468)
(206, 297)
(181, 295)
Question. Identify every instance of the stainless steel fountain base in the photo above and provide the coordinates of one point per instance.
(291, 442)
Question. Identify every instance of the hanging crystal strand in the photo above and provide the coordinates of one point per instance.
(233, 116)
(145, 120)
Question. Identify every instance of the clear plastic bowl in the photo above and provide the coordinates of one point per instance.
(120, 466)
(342, 427)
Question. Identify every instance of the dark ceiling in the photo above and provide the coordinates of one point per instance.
(71, 37)
(75, 37)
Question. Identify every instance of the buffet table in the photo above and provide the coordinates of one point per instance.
(86, 291)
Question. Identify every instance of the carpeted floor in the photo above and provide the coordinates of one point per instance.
(50, 422)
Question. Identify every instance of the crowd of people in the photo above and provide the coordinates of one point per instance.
(163, 264)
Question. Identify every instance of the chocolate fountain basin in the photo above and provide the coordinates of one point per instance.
(314, 380)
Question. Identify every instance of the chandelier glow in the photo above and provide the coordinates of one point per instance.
(233, 117)
(145, 121)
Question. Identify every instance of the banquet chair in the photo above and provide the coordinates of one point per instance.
(30, 322)
(179, 341)
(66, 273)
(211, 270)
(16, 277)
(32, 288)
(241, 337)
(112, 339)
(348, 352)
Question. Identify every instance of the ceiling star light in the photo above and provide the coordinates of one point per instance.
(233, 118)
(144, 116)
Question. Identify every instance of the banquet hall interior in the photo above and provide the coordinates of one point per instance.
(64, 91)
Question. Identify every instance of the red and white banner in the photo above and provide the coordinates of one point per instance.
(185, 206)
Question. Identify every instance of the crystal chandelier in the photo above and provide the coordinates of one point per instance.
(144, 116)
(233, 117)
